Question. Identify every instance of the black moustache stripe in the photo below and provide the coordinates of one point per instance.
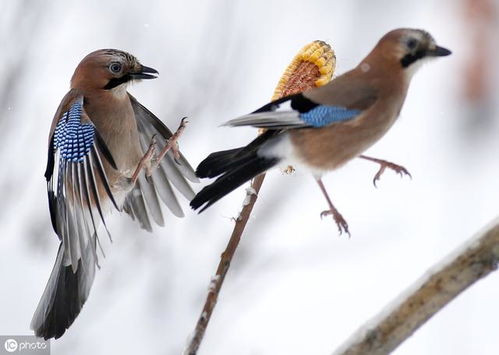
(411, 58)
(117, 81)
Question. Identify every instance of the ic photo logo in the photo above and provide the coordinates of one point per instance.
(23, 345)
(10, 345)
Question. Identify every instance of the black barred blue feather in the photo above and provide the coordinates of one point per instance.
(73, 138)
(322, 115)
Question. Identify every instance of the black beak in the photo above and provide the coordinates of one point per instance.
(438, 52)
(145, 73)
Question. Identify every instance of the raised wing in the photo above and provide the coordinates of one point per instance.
(77, 185)
(78, 191)
(295, 112)
(168, 176)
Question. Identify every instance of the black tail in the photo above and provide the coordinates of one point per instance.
(236, 168)
(63, 298)
(217, 163)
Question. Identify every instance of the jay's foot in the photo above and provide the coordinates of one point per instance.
(172, 144)
(383, 164)
(338, 218)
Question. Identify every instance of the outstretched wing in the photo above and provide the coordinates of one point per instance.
(295, 111)
(168, 176)
(78, 192)
(77, 185)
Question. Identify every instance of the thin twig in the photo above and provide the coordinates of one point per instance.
(474, 260)
(223, 267)
(313, 66)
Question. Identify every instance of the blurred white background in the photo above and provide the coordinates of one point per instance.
(295, 286)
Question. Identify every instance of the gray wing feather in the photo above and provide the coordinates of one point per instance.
(273, 120)
(135, 206)
(151, 199)
(74, 187)
(166, 193)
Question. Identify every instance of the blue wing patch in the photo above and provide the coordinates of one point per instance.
(322, 115)
(73, 138)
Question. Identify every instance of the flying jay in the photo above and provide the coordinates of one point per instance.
(101, 141)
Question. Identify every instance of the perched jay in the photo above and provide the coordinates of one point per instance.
(323, 128)
(100, 141)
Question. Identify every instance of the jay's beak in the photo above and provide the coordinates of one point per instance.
(145, 73)
(438, 52)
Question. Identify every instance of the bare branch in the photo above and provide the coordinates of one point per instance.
(313, 66)
(445, 281)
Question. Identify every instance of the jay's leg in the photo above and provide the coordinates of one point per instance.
(338, 218)
(172, 144)
(383, 164)
(145, 161)
(149, 162)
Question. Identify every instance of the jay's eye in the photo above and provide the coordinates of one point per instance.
(412, 43)
(115, 67)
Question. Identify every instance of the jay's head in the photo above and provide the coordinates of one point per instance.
(407, 48)
(108, 69)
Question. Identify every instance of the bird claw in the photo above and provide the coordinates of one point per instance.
(338, 219)
(400, 170)
(172, 144)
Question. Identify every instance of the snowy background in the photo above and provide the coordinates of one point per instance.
(295, 286)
